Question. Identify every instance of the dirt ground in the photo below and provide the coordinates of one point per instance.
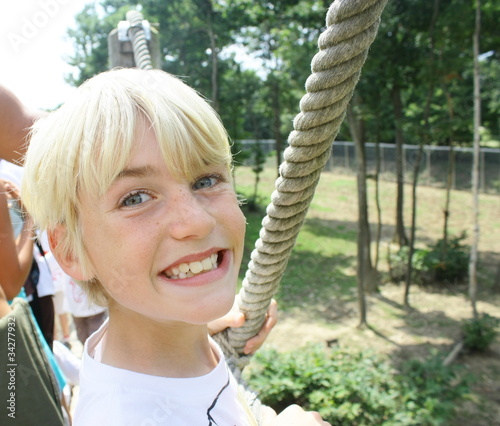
(435, 318)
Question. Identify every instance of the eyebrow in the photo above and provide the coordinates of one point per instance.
(137, 172)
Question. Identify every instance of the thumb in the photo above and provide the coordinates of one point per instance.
(236, 319)
(233, 319)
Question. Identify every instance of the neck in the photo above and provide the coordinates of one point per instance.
(169, 349)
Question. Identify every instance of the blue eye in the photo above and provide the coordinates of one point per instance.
(206, 181)
(135, 199)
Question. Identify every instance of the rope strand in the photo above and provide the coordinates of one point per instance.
(142, 56)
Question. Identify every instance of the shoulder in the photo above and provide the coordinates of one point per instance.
(95, 406)
(15, 121)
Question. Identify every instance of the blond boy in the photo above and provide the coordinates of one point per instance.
(132, 181)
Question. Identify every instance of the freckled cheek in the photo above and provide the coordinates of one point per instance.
(125, 273)
(117, 254)
(237, 223)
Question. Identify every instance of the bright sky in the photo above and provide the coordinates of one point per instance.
(33, 45)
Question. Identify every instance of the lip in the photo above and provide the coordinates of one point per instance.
(194, 257)
(205, 277)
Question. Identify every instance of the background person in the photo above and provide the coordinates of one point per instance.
(38, 285)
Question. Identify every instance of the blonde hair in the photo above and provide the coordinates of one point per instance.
(85, 144)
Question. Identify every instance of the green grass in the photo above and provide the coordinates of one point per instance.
(322, 264)
(320, 207)
(390, 311)
(316, 269)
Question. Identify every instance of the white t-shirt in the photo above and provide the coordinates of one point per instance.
(116, 397)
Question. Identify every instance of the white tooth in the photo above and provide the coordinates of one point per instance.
(175, 271)
(207, 264)
(196, 267)
(189, 274)
(184, 267)
(182, 275)
(214, 258)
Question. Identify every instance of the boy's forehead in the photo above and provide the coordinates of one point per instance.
(145, 157)
(138, 172)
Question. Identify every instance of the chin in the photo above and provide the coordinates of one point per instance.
(212, 313)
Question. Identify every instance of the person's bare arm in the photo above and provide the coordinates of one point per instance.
(15, 256)
(15, 122)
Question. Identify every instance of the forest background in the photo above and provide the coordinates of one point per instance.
(252, 58)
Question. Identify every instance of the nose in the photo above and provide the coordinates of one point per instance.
(190, 216)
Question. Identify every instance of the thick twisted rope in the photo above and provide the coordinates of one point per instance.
(351, 28)
(142, 56)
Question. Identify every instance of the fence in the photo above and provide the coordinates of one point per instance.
(434, 165)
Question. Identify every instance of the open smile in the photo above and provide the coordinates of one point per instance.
(190, 269)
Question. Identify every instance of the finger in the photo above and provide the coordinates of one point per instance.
(272, 315)
(253, 344)
(231, 319)
(11, 190)
(268, 415)
(12, 187)
(7, 188)
(296, 416)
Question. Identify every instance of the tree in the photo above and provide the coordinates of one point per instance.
(90, 41)
(258, 161)
(193, 36)
(280, 34)
(395, 45)
(475, 167)
(364, 270)
(424, 140)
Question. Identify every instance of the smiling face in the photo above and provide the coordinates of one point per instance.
(96, 143)
(165, 248)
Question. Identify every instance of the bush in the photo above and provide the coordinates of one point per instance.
(433, 388)
(480, 332)
(446, 261)
(355, 388)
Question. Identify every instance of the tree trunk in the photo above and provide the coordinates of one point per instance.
(425, 139)
(365, 273)
(409, 269)
(449, 182)
(451, 169)
(377, 203)
(399, 233)
(475, 166)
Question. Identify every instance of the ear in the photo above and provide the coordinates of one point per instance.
(66, 260)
